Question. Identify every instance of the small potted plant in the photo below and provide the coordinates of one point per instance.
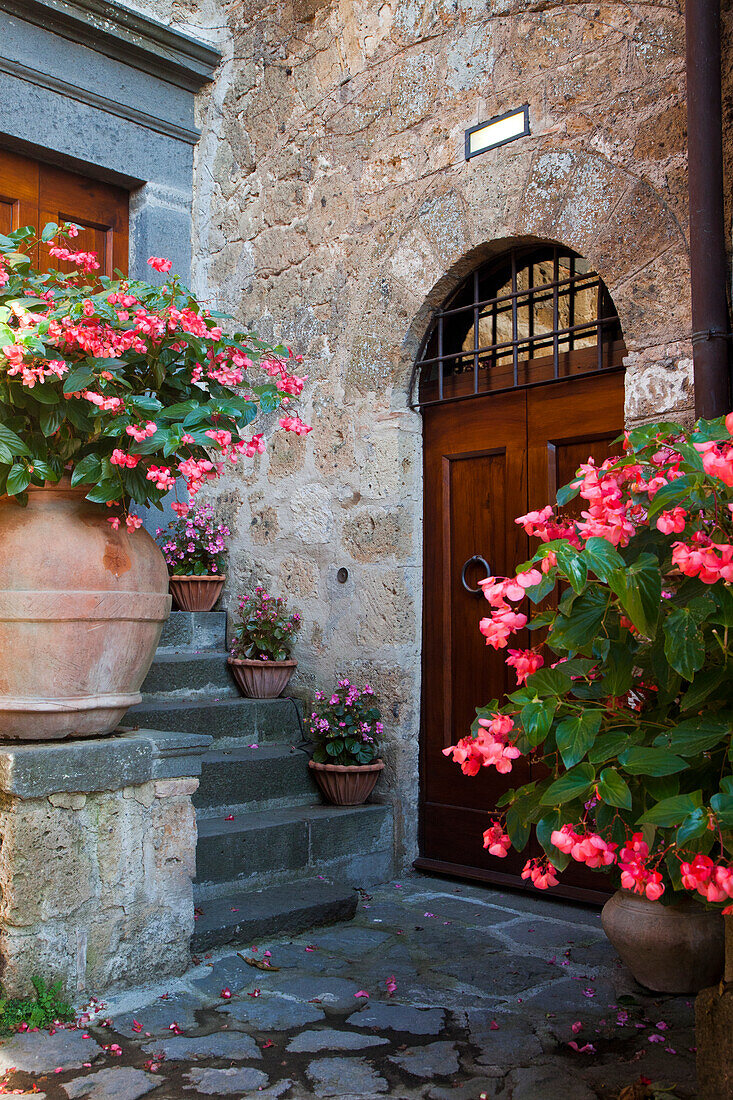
(345, 730)
(263, 639)
(624, 706)
(194, 549)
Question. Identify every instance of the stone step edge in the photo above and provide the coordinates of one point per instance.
(251, 820)
(286, 909)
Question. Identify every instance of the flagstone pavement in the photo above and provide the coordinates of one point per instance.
(473, 993)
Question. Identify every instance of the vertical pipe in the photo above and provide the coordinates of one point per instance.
(710, 325)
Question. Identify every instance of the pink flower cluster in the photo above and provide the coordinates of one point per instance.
(541, 872)
(713, 880)
(708, 560)
(489, 747)
(87, 261)
(635, 875)
(588, 848)
(294, 424)
(121, 458)
(503, 620)
(160, 264)
(14, 353)
(496, 840)
(524, 662)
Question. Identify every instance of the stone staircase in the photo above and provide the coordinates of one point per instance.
(271, 857)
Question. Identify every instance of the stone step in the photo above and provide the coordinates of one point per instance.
(280, 910)
(197, 629)
(271, 775)
(189, 669)
(350, 843)
(227, 719)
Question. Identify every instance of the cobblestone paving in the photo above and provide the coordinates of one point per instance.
(473, 992)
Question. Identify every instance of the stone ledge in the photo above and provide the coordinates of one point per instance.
(128, 758)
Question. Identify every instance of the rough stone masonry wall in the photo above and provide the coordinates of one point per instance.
(334, 208)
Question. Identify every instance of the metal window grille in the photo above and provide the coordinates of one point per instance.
(530, 317)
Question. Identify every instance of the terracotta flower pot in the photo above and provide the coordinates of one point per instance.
(81, 611)
(261, 679)
(346, 784)
(196, 593)
(668, 948)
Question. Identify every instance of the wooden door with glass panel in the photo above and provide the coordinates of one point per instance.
(519, 383)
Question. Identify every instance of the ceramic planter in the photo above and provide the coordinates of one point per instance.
(196, 593)
(346, 784)
(81, 611)
(668, 948)
(261, 679)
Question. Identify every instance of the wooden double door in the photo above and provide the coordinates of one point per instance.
(488, 460)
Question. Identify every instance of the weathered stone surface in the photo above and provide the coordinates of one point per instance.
(122, 1083)
(222, 1044)
(329, 1039)
(432, 1060)
(544, 1081)
(156, 1019)
(226, 1082)
(334, 995)
(345, 1077)
(39, 1052)
(416, 1021)
(272, 1013)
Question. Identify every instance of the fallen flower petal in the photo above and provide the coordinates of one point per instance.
(226, 993)
(361, 993)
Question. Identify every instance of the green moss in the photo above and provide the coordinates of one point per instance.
(40, 1012)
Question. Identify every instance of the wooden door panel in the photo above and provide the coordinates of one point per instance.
(488, 460)
(474, 474)
(32, 193)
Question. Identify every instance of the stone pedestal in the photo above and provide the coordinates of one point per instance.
(97, 857)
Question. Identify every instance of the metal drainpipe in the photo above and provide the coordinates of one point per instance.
(710, 320)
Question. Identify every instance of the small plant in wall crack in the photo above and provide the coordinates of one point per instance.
(41, 1012)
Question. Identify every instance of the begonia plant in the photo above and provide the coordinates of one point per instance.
(194, 545)
(133, 389)
(264, 630)
(345, 726)
(625, 702)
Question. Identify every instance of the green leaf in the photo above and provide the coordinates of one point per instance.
(578, 629)
(684, 647)
(695, 825)
(694, 735)
(104, 492)
(549, 681)
(674, 492)
(50, 230)
(87, 471)
(18, 479)
(641, 761)
(704, 684)
(568, 492)
(722, 805)
(43, 470)
(602, 558)
(51, 419)
(518, 827)
(613, 789)
(574, 784)
(576, 735)
(609, 745)
(671, 811)
(617, 670)
(536, 719)
(639, 589)
(12, 441)
(6, 458)
(546, 826)
(571, 564)
(79, 379)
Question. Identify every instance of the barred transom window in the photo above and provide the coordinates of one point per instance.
(531, 316)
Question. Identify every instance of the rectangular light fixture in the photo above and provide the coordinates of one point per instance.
(497, 131)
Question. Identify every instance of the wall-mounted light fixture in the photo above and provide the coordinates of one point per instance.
(497, 131)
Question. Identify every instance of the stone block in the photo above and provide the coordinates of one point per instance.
(116, 862)
(341, 832)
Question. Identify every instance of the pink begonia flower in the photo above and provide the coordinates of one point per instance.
(160, 264)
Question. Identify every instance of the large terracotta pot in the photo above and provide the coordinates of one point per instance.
(261, 679)
(196, 593)
(668, 948)
(81, 611)
(346, 784)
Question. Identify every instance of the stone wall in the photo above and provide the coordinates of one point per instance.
(333, 208)
(97, 857)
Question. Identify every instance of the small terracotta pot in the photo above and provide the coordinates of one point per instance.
(261, 679)
(346, 784)
(196, 593)
(668, 948)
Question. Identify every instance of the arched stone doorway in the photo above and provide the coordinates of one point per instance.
(519, 379)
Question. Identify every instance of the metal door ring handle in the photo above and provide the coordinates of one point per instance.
(481, 561)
